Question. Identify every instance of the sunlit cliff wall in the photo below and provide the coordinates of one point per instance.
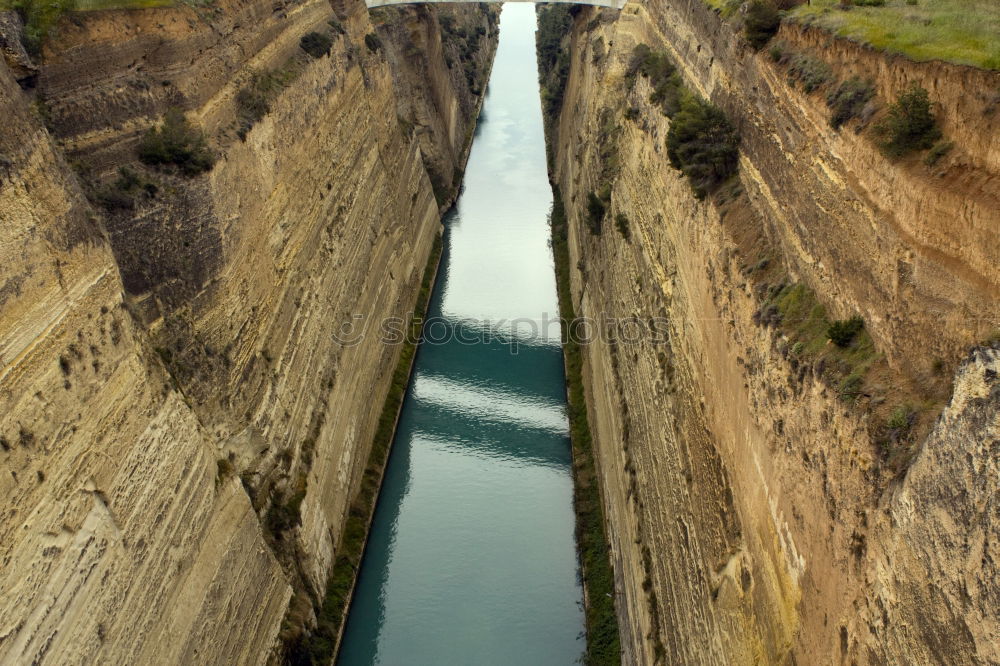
(171, 370)
(751, 515)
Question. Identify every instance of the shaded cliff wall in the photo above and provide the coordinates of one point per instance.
(117, 541)
(183, 426)
(436, 103)
(751, 516)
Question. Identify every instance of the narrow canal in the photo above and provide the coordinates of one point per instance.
(471, 558)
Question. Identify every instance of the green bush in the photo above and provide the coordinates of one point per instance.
(224, 470)
(761, 23)
(622, 223)
(668, 87)
(254, 101)
(122, 194)
(893, 440)
(39, 18)
(251, 105)
(910, 124)
(447, 23)
(595, 213)
(337, 26)
(851, 388)
(176, 142)
(284, 514)
(373, 42)
(703, 144)
(812, 72)
(635, 64)
(670, 93)
(701, 141)
(869, 3)
(848, 101)
(901, 418)
(316, 44)
(842, 332)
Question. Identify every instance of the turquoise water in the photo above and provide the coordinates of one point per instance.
(471, 558)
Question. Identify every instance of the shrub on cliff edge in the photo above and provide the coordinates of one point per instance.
(810, 71)
(621, 221)
(595, 213)
(39, 19)
(123, 193)
(940, 149)
(910, 124)
(373, 42)
(176, 142)
(668, 87)
(848, 101)
(316, 44)
(842, 332)
(703, 144)
(761, 23)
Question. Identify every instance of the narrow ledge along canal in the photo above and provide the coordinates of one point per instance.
(471, 556)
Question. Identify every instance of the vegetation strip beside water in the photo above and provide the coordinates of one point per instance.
(603, 636)
(320, 646)
(603, 642)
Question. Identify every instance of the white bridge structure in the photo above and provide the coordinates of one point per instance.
(614, 4)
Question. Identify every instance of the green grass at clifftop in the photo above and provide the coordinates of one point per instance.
(41, 16)
(966, 32)
(90, 5)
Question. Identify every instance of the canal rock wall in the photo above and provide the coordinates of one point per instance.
(182, 428)
(437, 102)
(752, 514)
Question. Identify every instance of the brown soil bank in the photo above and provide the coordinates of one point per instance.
(757, 509)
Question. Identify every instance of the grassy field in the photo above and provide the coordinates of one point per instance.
(90, 5)
(86, 5)
(959, 31)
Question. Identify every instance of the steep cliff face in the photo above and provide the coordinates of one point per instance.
(437, 102)
(116, 533)
(188, 400)
(874, 235)
(753, 514)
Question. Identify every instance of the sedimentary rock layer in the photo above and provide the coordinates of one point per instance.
(174, 371)
(751, 515)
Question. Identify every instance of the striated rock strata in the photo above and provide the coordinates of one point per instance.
(183, 428)
(751, 516)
